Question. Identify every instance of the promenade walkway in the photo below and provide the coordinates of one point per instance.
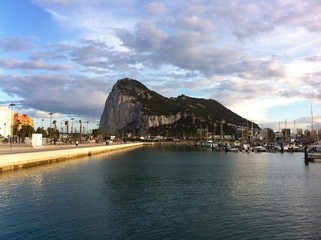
(24, 155)
(5, 148)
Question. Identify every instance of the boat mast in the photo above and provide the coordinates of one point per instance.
(312, 127)
(311, 118)
(294, 130)
(285, 131)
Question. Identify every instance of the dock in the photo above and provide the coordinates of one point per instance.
(24, 156)
(313, 156)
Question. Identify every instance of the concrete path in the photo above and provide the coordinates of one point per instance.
(5, 148)
(24, 155)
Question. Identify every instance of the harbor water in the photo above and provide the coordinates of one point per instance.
(158, 192)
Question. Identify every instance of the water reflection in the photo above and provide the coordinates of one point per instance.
(164, 193)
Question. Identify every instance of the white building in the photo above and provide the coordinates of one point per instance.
(6, 118)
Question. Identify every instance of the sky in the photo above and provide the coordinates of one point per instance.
(261, 59)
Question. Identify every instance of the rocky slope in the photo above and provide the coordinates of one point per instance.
(133, 108)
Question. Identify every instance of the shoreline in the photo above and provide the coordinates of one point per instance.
(24, 156)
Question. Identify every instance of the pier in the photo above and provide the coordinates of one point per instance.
(23, 156)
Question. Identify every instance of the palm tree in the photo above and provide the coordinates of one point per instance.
(80, 130)
(54, 123)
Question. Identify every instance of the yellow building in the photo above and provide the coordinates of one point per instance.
(22, 119)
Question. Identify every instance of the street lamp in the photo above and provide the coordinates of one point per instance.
(80, 130)
(67, 131)
(72, 128)
(12, 105)
(72, 124)
(50, 125)
(4, 130)
(87, 131)
(62, 130)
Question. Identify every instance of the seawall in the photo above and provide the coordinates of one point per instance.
(17, 160)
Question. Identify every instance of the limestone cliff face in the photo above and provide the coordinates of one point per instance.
(124, 110)
(133, 108)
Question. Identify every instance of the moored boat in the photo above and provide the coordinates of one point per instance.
(313, 154)
(208, 144)
(258, 148)
(246, 147)
(229, 148)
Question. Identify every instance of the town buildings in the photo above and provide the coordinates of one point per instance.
(5, 121)
(9, 118)
(22, 119)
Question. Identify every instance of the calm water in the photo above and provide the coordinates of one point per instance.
(164, 193)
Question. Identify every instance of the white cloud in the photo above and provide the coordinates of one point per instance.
(31, 65)
(246, 54)
(155, 8)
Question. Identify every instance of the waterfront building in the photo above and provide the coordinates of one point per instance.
(314, 134)
(22, 119)
(267, 134)
(5, 121)
(242, 133)
(299, 133)
(286, 132)
(8, 117)
(278, 136)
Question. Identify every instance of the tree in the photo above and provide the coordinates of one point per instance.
(15, 130)
(67, 126)
(26, 131)
(55, 133)
(54, 123)
(41, 131)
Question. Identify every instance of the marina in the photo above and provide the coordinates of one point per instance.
(164, 192)
(24, 156)
(162, 120)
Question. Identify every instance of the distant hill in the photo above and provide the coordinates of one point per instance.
(132, 108)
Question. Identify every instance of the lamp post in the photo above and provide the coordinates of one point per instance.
(87, 132)
(72, 129)
(4, 130)
(67, 131)
(80, 131)
(50, 126)
(12, 105)
(62, 130)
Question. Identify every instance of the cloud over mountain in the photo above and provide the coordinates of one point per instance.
(242, 53)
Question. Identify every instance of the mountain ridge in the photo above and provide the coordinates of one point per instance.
(132, 108)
